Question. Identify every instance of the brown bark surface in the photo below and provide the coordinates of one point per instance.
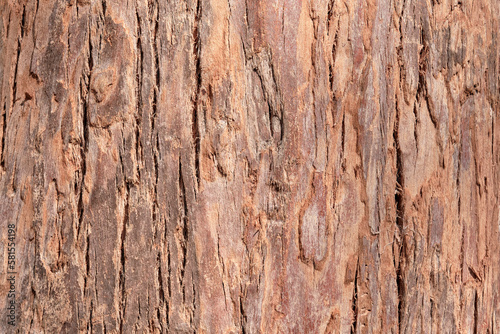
(250, 166)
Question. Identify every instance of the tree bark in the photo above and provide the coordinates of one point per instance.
(231, 166)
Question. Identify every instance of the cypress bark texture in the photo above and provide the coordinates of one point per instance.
(250, 166)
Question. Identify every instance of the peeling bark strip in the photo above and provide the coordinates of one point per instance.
(232, 166)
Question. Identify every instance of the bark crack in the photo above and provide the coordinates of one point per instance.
(84, 146)
(4, 129)
(139, 107)
(476, 315)
(125, 222)
(154, 133)
(184, 220)
(197, 59)
(399, 203)
(354, 304)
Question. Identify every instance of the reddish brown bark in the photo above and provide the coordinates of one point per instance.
(238, 166)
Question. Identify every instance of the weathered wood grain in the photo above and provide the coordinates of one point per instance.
(237, 166)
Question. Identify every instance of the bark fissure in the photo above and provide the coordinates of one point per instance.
(243, 316)
(139, 85)
(399, 204)
(354, 302)
(342, 144)
(84, 147)
(476, 315)
(195, 129)
(4, 134)
(154, 132)
(331, 3)
(122, 269)
(16, 69)
(184, 223)
(163, 302)
(23, 22)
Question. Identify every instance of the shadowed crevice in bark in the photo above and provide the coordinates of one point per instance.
(198, 78)
(354, 307)
(122, 277)
(400, 223)
(4, 134)
(184, 219)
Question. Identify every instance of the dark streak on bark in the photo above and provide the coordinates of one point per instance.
(90, 323)
(334, 57)
(493, 139)
(83, 152)
(316, 111)
(243, 317)
(123, 296)
(342, 145)
(399, 202)
(139, 83)
(197, 59)
(154, 134)
(14, 89)
(4, 126)
(354, 304)
(155, 148)
(104, 5)
(169, 277)
(193, 301)
(476, 317)
(415, 126)
(84, 94)
(331, 3)
(184, 219)
(398, 197)
(23, 21)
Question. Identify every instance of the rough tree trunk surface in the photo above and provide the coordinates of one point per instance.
(232, 166)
